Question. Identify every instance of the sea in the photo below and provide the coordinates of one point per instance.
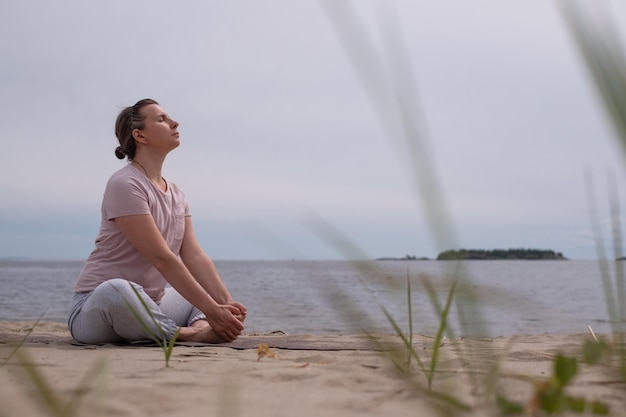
(333, 297)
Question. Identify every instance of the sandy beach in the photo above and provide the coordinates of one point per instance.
(297, 375)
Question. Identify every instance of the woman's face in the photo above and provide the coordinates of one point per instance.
(159, 128)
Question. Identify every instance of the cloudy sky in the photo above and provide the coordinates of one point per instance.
(278, 123)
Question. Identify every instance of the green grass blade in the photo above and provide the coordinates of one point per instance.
(404, 339)
(432, 295)
(162, 338)
(138, 317)
(443, 398)
(170, 347)
(443, 322)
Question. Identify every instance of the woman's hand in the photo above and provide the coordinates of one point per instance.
(241, 316)
(225, 322)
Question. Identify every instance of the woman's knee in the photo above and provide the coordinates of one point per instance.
(120, 285)
(115, 288)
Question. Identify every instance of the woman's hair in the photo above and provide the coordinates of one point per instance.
(129, 119)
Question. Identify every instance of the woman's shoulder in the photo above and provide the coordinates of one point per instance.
(130, 178)
(127, 171)
(124, 177)
(126, 193)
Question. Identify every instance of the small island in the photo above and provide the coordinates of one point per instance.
(405, 258)
(500, 254)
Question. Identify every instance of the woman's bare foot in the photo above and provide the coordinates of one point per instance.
(199, 333)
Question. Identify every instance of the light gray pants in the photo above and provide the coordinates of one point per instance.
(112, 313)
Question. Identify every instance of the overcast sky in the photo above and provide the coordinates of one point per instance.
(276, 124)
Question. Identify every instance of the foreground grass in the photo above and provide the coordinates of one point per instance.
(602, 53)
(596, 36)
(391, 88)
(54, 403)
(51, 401)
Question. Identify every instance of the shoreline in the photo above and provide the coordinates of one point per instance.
(302, 375)
(581, 332)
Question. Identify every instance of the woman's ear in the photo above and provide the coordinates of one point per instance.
(139, 137)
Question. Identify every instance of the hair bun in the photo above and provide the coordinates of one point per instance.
(119, 152)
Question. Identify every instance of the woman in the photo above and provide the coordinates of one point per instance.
(146, 241)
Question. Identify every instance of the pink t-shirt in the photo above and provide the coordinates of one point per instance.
(129, 192)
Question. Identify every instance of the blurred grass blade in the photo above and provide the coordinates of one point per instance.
(410, 312)
(408, 344)
(388, 80)
(96, 372)
(21, 342)
(616, 230)
(49, 398)
(603, 264)
(613, 294)
(432, 295)
(345, 246)
(392, 92)
(602, 51)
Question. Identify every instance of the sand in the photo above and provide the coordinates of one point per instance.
(308, 375)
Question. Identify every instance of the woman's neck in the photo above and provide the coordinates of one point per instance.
(152, 172)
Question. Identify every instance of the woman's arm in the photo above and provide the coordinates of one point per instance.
(143, 233)
(203, 269)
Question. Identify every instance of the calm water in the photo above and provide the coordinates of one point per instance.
(333, 297)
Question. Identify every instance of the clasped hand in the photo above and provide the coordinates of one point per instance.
(227, 320)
